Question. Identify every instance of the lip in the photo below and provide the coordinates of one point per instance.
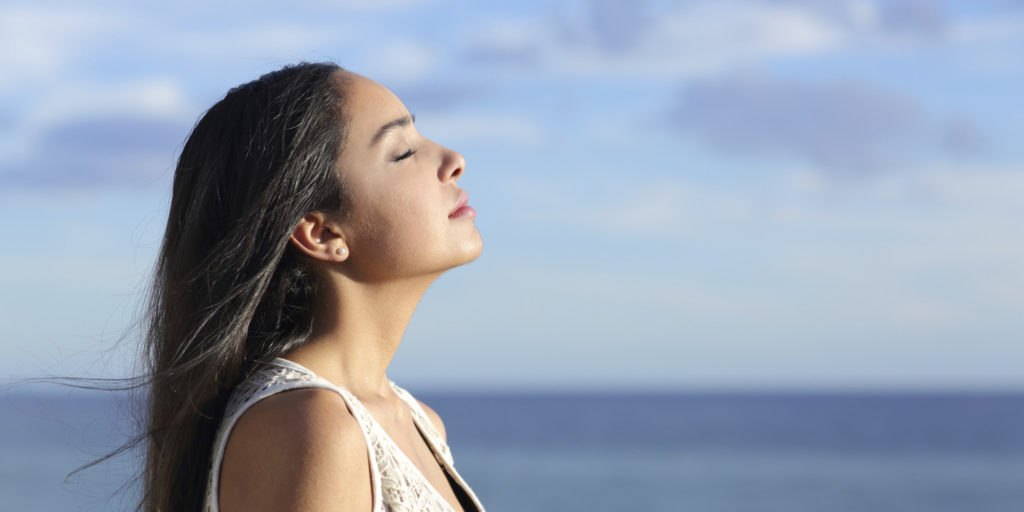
(463, 199)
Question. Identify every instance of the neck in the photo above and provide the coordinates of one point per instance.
(357, 329)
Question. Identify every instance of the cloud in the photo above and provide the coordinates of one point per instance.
(617, 25)
(364, 5)
(87, 134)
(647, 208)
(917, 18)
(843, 126)
(1008, 27)
(437, 95)
(908, 19)
(63, 42)
(401, 62)
(104, 151)
(507, 129)
(921, 260)
(637, 39)
(509, 43)
(994, 190)
(39, 41)
(697, 39)
(960, 134)
(266, 40)
(153, 96)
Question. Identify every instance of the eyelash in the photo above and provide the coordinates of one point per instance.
(405, 155)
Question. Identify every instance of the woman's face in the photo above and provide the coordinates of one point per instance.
(403, 188)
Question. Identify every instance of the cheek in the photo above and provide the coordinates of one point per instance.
(405, 217)
(417, 213)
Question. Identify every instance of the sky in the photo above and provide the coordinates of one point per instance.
(738, 194)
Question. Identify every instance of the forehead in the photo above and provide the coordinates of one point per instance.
(371, 104)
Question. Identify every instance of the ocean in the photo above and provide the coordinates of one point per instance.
(704, 452)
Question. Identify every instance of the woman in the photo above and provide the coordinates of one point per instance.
(308, 218)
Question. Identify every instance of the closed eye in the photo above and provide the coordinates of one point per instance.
(405, 155)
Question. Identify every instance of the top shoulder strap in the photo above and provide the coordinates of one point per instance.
(424, 419)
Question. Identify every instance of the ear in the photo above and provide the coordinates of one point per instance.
(318, 238)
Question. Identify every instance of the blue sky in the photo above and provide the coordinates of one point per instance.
(672, 195)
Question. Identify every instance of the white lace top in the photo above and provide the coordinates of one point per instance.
(398, 485)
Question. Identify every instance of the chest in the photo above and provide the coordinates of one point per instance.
(405, 436)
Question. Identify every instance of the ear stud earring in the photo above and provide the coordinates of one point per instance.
(341, 250)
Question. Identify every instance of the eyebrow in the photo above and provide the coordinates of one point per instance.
(391, 125)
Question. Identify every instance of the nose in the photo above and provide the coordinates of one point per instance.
(453, 165)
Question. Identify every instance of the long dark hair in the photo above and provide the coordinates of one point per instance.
(228, 291)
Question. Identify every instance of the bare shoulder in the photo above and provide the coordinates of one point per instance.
(435, 418)
(298, 449)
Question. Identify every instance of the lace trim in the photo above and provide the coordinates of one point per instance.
(403, 485)
(398, 484)
(436, 443)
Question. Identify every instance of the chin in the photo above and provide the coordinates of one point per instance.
(470, 250)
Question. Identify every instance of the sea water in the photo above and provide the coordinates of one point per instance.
(708, 452)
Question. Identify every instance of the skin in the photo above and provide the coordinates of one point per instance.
(398, 240)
